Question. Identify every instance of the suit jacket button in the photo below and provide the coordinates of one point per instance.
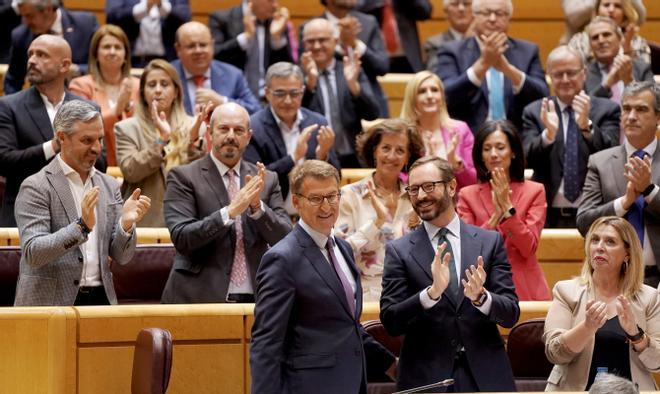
(80, 259)
(76, 282)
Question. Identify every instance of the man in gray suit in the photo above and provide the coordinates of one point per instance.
(223, 213)
(71, 219)
(460, 17)
(623, 180)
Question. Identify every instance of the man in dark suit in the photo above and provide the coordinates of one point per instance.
(9, 19)
(339, 89)
(204, 79)
(460, 17)
(283, 133)
(252, 36)
(623, 180)
(27, 140)
(446, 287)
(150, 26)
(47, 17)
(590, 123)
(491, 76)
(71, 219)
(306, 336)
(222, 213)
(611, 71)
(398, 20)
(358, 32)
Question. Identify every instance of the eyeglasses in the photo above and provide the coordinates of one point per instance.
(487, 13)
(570, 74)
(281, 94)
(318, 200)
(428, 187)
(238, 131)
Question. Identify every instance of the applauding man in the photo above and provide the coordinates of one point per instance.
(71, 219)
(446, 287)
(222, 213)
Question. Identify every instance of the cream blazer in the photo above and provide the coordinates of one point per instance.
(568, 309)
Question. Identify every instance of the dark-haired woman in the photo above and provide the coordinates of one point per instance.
(504, 201)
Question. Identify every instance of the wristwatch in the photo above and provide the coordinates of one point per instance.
(509, 213)
(83, 227)
(634, 339)
(482, 298)
(648, 190)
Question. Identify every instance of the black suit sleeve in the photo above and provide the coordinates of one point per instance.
(536, 153)
(274, 223)
(14, 161)
(504, 310)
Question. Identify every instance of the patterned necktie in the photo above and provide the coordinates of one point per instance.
(495, 94)
(390, 29)
(635, 214)
(452, 287)
(571, 157)
(239, 267)
(348, 290)
(252, 66)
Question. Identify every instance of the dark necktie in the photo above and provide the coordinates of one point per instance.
(252, 66)
(342, 145)
(452, 287)
(571, 157)
(635, 214)
(348, 290)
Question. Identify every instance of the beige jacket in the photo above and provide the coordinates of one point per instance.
(571, 369)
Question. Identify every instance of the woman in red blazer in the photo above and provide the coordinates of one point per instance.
(505, 202)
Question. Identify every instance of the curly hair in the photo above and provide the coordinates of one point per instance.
(367, 141)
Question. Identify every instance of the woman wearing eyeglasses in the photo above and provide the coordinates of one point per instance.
(505, 202)
(377, 209)
(159, 137)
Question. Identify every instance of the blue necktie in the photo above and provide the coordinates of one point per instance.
(571, 156)
(452, 288)
(495, 94)
(635, 214)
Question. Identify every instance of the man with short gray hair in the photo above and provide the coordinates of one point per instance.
(460, 17)
(47, 17)
(71, 219)
(285, 134)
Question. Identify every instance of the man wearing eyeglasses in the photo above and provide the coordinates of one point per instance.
(223, 213)
(446, 287)
(559, 133)
(490, 76)
(285, 134)
(306, 336)
(460, 17)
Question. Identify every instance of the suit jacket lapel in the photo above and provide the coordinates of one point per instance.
(101, 213)
(422, 250)
(61, 186)
(36, 108)
(347, 252)
(212, 176)
(187, 100)
(273, 131)
(472, 53)
(246, 169)
(619, 158)
(68, 32)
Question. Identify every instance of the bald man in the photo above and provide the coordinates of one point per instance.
(27, 140)
(223, 213)
(205, 79)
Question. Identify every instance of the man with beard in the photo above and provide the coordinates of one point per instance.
(223, 213)
(446, 287)
(71, 219)
(27, 140)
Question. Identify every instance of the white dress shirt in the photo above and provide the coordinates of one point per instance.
(51, 109)
(290, 137)
(150, 38)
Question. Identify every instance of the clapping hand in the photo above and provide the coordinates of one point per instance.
(473, 287)
(310, 69)
(596, 315)
(324, 141)
(352, 68)
(134, 209)
(549, 118)
(440, 272)
(248, 195)
(160, 121)
(278, 24)
(88, 205)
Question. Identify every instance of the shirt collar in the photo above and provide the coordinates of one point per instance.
(45, 99)
(282, 125)
(319, 239)
(454, 227)
(56, 28)
(69, 171)
(189, 76)
(331, 67)
(456, 34)
(650, 148)
(222, 167)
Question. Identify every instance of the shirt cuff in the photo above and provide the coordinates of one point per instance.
(360, 48)
(226, 220)
(618, 207)
(485, 307)
(651, 195)
(125, 233)
(425, 300)
(242, 41)
(259, 213)
(473, 77)
(278, 43)
(49, 152)
(300, 161)
(165, 8)
(140, 10)
(544, 138)
(516, 89)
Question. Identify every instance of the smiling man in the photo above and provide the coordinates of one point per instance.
(71, 219)
(307, 336)
(623, 180)
(223, 213)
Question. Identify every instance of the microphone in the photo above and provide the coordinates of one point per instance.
(442, 383)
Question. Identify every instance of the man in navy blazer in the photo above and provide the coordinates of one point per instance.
(283, 133)
(205, 79)
(47, 16)
(450, 327)
(490, 76)
(129, 14)
(27, 140)
(306, 336)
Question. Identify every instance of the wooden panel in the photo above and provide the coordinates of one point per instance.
(555, 271)
(105, 369)
(9, 236)
(560, 245)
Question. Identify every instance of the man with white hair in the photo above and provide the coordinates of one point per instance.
(460, 17)
(491, 76)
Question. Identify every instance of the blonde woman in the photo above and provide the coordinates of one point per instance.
(424, 105)
(159, 137)
(607, 319)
